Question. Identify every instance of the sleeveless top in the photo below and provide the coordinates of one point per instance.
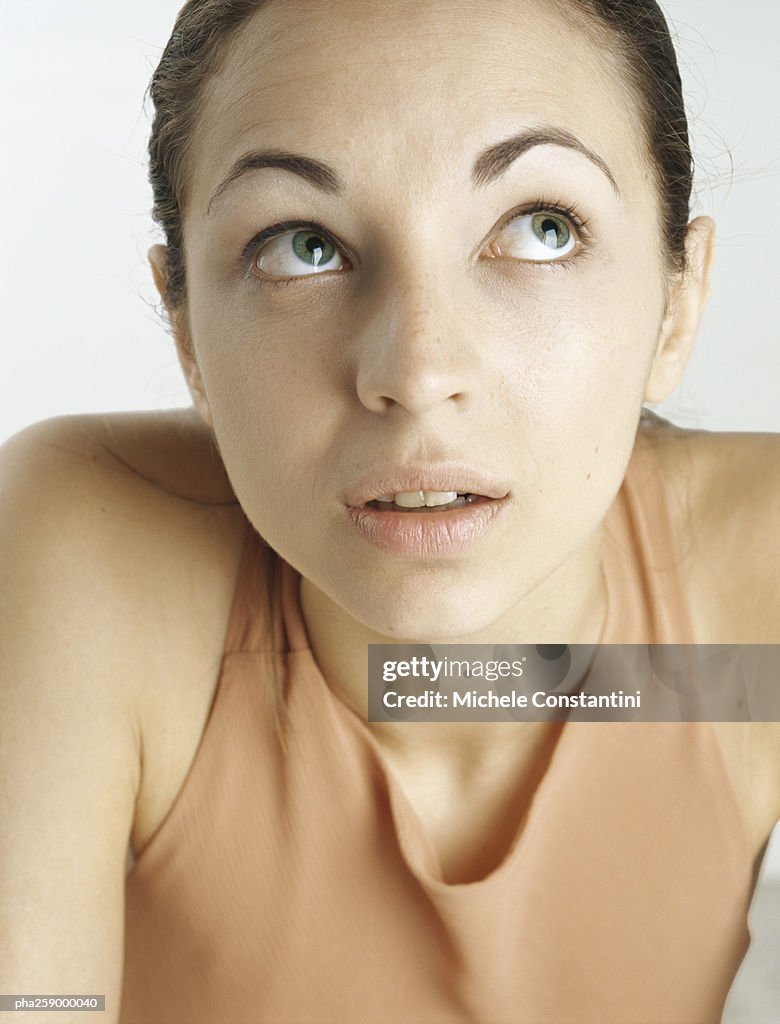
(298, 885)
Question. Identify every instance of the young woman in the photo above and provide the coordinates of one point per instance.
(417, 254)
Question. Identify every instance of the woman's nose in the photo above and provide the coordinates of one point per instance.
(417, 353)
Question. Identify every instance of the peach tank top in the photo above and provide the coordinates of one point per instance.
(299, 887)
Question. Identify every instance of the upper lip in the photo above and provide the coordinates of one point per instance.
(441, 476)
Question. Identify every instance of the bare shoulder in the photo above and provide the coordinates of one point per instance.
(171, 449)
(131, 493)
(127, 525)
(724, 491)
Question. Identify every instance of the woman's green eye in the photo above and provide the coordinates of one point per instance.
(550, 230)
(536, 238)
(297, 254)
(311, 248)
(542, 237)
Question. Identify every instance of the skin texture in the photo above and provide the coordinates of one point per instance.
(427, 346)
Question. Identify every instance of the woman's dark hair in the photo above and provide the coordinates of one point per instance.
(644, 53)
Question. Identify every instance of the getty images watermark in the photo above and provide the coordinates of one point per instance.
(581, 682)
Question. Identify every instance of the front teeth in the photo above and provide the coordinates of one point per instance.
(420, 499)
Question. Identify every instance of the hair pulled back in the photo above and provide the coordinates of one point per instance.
(634, 32)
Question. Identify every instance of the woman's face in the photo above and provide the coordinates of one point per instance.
(434, 305)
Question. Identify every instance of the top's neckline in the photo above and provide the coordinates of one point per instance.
(414, 842)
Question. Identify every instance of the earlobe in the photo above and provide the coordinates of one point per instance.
(194, 380)
(158, 261)
(685, 310)
(177, 320)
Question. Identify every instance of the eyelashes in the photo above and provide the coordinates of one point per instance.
(542, 234)
(310, 229)
(550, 236)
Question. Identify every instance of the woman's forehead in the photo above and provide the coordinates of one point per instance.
(408, 86)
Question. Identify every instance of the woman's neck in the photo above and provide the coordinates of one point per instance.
(569, 606)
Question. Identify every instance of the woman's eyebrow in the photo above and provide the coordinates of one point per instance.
(317, 173)
(496, 159)
(489, 165)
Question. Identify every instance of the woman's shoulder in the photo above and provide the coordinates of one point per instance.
(724, 497)
(98, 480)
(119, 543)
(170, 448)
(134, 507)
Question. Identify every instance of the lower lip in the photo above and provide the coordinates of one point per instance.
(426, 535)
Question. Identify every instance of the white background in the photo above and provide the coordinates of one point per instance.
(80, 327)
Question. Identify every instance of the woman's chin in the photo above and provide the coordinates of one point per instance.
(447, 618)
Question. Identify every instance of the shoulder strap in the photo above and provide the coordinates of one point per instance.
(254, 622)
(642, 558)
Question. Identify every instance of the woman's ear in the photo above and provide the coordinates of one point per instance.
(158, 259)
(684, 312)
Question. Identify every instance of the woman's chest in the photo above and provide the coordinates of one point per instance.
(471, 830)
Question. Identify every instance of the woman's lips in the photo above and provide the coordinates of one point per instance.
(440, 476)
(436, 503)
(426, 533)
